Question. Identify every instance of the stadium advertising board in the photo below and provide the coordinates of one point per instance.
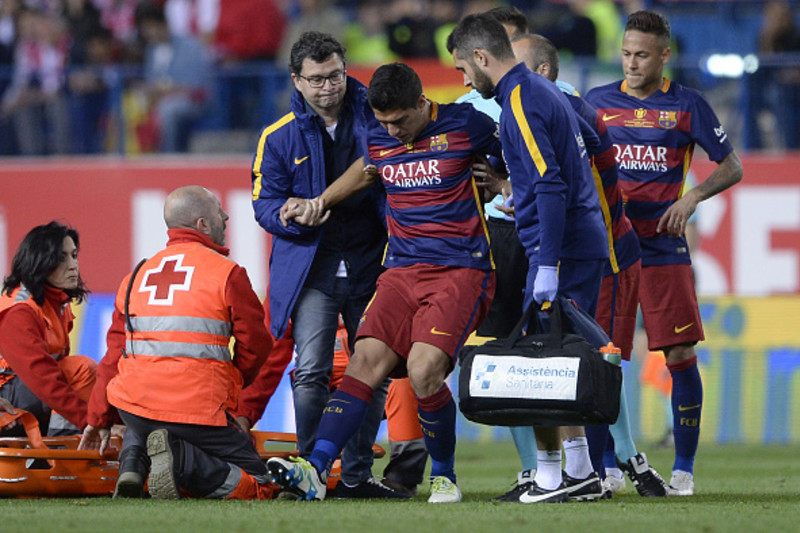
(748, 271)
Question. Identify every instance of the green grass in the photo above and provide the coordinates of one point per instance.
(739, 488)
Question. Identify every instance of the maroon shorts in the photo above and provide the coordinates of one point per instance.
(669, 306)
(438, 305)
(617, 305)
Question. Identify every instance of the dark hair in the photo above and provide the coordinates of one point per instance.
(37, 257)
(150, 12)
(480, 31)
(316, 46)
(544, 51)
(394, 86)
(649, 22)
(510, 15)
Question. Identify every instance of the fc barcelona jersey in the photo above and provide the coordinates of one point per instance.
(654, 140)
(434, 212)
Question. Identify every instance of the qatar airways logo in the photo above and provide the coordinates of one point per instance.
(641, 157)
(414, 174)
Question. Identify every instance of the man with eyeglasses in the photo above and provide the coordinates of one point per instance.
(318, 273)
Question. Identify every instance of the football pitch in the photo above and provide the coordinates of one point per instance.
(748, 488)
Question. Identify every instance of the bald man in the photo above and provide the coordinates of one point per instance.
(169, 372)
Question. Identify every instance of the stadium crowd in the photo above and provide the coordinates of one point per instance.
(127, 76)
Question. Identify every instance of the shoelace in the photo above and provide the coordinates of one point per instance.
(442, 484)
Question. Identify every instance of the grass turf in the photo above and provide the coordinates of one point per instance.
(739, 488)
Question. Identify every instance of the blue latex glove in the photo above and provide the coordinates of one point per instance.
(545, 286)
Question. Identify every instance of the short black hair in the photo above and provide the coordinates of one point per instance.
(544, 51)
(480, 31)
(394, 86)
(316, 46)
(510, 15)
(650, 22)
(37, 257)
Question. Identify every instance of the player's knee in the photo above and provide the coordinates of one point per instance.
(679, 353)
(426, 378)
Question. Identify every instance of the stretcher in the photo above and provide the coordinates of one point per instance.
(51, 467)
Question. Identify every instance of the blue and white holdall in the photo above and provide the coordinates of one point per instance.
(543, 379)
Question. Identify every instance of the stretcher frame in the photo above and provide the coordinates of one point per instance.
(62, 470)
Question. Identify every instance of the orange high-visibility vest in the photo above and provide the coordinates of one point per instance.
(56, 326)
(177, 363)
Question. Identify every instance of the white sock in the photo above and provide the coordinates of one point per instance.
(615, 472)
(548, 471)
(578, 462)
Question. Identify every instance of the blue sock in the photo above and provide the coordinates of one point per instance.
(525, 441)
(437, 415)
(342, 417)
(687, 404)
(597, 436)
(610, 457)
(623, 446)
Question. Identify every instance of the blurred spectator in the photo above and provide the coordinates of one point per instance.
(9, 10)
(234, 44)
(243, 90)
(35, 100)
(570, 31)
(177, 78)
(608, 25)
(197, 18)
(411, 29)
(317, 15)
(119, 16)
(445, 15)
(89, 92)
(82, 18)
(365, 38)
(780, 33)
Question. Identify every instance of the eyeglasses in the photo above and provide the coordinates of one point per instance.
(318, 81)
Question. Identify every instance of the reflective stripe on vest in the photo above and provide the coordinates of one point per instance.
(182, 323)
(177, 349)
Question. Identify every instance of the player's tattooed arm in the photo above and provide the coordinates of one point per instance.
(728, 173)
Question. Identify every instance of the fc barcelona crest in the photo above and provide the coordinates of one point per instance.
(439, 143)
(667, 119)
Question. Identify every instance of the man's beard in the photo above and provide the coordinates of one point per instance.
(483, 84)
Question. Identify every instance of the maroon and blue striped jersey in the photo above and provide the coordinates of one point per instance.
(434, 213)
(654, 140)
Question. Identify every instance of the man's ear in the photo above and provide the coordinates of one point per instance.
(202, 226)
(544, 70)
(481, 57)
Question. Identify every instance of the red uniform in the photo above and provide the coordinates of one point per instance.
(34, 347)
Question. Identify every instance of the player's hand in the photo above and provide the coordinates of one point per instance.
(487, 178)
(371, 172)
(508, 205)
(94, 439)
(304, 211)
(314, 213)
(545, 286)
(244, 423)
(675, 218)
(6, 407)
(292, 208)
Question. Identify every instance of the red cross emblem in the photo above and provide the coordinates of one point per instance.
(169, 276)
